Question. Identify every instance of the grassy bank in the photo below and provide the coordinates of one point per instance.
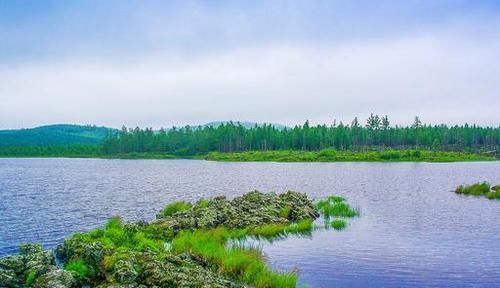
(330, 155)
(325, 155)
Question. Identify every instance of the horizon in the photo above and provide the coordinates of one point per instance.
(336, 122)
(156, 64)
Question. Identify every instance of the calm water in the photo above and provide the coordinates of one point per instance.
(413, 231)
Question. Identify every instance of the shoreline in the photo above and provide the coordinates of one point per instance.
(294, 156)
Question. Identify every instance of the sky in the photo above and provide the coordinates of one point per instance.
(164, 63)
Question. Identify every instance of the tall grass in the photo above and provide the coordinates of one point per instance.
(336, 206)
(338, 224)
(474, 189)
(480, 189)
(279, 230)
(243, 263)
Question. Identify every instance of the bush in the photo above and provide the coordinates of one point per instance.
(327, 153)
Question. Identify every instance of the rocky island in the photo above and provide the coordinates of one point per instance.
(199, 244)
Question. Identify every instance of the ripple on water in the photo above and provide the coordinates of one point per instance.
(413, 231)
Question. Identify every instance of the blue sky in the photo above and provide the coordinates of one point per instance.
(163, 63)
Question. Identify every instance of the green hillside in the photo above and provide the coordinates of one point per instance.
(54, 135)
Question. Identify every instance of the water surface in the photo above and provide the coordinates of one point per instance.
(412, 232)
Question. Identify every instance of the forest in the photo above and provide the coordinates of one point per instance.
(375, 133)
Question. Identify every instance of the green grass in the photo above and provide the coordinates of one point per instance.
(78, 266)
(30, 278)
(474, 189)
(280, 230)
(243, 263)
(480, 189)
(285, 212)
(335, 206)
(175, 207)
(115, 236)
(338, 224)
(330, 155)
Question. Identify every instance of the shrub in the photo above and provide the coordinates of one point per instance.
(327, 153)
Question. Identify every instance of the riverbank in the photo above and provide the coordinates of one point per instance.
(325, 155)
(329, 155)
(201, 244)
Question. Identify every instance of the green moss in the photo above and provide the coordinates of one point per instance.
(175, 207)
(338, 224)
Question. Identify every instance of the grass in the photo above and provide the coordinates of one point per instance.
(285, 212)
(243, 263)
(175, 207)
(474, 189)
(330, 155)
(115, 236)
(280, 230)
(480, 189)
(335, 206)
(30, 278)
(338, 224)
(78, 266)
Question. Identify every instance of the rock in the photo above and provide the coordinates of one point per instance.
(124, 272)
(31, 260)
(250, 210)
(56, 278)
(133, 255)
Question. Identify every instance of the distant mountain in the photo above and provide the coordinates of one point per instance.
(245, 124)
(54, 135)
(68, 134)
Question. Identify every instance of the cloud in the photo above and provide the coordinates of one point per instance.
(444, 76)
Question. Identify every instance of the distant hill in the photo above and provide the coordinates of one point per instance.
(68, 134)
(54, 135)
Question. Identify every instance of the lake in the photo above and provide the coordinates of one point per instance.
(413, 231)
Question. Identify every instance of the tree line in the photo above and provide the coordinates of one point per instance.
(375, 133)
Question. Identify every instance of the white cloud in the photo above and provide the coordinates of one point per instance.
(443, 77)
